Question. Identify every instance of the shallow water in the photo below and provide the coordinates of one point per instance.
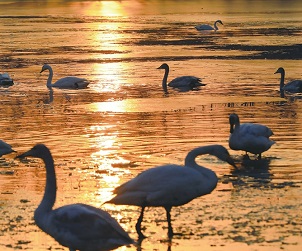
(122, 124)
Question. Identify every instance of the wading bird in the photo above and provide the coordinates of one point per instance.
(249, 137)
(171, 185)
(76, 226)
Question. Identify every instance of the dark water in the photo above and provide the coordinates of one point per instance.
(123, 123)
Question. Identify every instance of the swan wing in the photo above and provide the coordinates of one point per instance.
(185, 81)
(71, 83)
(84, 227)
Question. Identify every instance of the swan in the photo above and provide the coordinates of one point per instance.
(66, 82)
(179, 82)
(5, 148)
(170, 185)
(293, 86)
(5, 80)
(76, 226)
(208, 27)
(249, 137)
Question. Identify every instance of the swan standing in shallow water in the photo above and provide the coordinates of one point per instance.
(76, 226)
(293, 86)
(5, 148)
(188, 82)
(66, 82)
(203, 27)
(171, 185)
(249, 137)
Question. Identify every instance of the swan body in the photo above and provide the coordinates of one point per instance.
(5, 148)
(171, 185)
(203, 27)
(66, 82)
(5, 80)
(76, 226)
(249, 137)
(294, 86)
(179, 82)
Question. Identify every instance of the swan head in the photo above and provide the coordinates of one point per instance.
(280, 70)
(45, 67)
(164, 66)
(219, 21)
(234, 120)
(38, 151)
(223, 154)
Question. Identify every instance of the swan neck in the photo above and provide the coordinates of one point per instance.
(215, 26)
(165, 79)
(49, 80)
(49, 197)
(282, 80)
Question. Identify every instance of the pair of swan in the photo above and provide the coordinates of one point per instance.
(76, 226)
(204, 27)
(83, 227)
(249, 137)
(184, 82)
(66, 82)
(171, 185)
(5, 148)
(294, 86)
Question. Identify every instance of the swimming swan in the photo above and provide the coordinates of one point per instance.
(171, 185)
(66, 82)
(189, 82)
(76, 226)
(5, 148)
(293, 86)
(208, 27)
(249, 137)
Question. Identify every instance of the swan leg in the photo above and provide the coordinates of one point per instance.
(170, 229)
(139, 223)
(259, 156)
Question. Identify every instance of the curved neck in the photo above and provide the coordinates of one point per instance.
(49, 197)
(49, 78)
(191, 156)
(215, 26)
(282, 81)
(165, 79)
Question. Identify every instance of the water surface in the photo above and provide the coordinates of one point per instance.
(123, 123)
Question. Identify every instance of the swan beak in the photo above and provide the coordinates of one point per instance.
(22, 156)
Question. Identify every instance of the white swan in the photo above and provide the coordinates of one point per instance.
(76, 226)
(189, 82)
(5, 80)
(203, 27)
(249, 137)
(171, 185)
(5, 148)
(293, 86)
(66, 82)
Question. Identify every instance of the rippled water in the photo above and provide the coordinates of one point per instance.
(123, 123)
